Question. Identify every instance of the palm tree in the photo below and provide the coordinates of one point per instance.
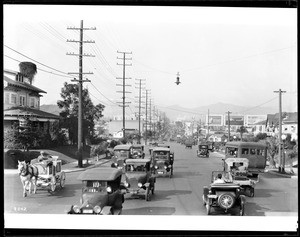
(242, 130)
(28, 69)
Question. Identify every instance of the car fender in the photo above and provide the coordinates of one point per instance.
(106, 210)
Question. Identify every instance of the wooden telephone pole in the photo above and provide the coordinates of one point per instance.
(140, 102)
(228, 125)
(80, 81)
(124, 85)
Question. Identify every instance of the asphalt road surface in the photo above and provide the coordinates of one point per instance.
(179, 195)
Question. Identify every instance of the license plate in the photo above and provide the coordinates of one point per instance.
(87, 211)
(160, 172)
(212, 196)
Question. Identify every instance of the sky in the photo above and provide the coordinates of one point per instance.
(238, 56)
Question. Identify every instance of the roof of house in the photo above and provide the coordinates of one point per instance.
(23, 111)
(286, 118)
(24, 85)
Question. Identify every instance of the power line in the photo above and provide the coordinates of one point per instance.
(34, 60)
(258, 105)
(40, 68)
(104, 95)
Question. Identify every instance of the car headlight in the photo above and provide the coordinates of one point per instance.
(140, 185)
(165, 167)
(126, 184)
(97, 209)
(170, 166)
(108, 189)
(76, 209)
(156, 167)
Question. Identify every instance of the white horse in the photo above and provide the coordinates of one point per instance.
(28, 175)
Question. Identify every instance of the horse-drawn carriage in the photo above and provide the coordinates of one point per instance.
(46, 174)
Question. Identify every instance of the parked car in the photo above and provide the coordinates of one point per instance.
(101, 192)
(162, 161)
(138, 151)
(203, 150)
(223, 194)
(121, 153)
(138, 178)
(189, 143)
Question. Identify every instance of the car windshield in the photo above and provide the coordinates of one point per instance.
(203, 147)
(161, 155)
(135, 168)
(94, 186)
(121, 153)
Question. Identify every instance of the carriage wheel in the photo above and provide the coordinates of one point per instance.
(53, 184)
(62, 179)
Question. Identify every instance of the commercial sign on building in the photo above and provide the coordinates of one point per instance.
(215, 120)
(253, 119)
(235, 120)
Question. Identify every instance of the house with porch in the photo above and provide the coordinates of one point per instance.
(21, 103)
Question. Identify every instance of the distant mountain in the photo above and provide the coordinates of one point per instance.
(53, 109)
(175, 111)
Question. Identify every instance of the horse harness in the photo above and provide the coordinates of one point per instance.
(27, 171)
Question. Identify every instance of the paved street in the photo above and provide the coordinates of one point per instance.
(180, 195)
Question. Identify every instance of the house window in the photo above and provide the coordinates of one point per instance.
(13, 98)
(6, 98)
(22, 100)
(32, 100)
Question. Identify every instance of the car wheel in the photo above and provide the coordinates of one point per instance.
(62, 179)
(226, 200)
(152, 190)
(147, 194)
(203, 199)
(172, 170)
(208, 209)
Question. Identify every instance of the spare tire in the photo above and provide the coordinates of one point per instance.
(226, 200)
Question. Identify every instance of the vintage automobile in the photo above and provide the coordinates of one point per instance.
(162, 161)
(203, 150)
(238, 167)
(151, 146)
(138, 151)
(189, 143)
(50, 173)
(138, 178)
(121, 153)
(101, 192)
(223, 194)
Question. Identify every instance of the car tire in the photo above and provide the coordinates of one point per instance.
(203, 199)
(152, 190)
(251, 192)
(226, 200)
(52, 185)
(242, 210)
(208, 209)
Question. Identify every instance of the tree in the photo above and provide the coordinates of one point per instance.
(97, 150)
(261, 136)
(272, 147)
(28, 69)
(69, 113)
(242, 130)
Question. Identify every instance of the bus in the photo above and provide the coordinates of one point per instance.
(255, 152)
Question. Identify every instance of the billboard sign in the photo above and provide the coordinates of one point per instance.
(253, 119)
(235, 120)
(215, 120)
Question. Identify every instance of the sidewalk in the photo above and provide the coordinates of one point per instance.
(73, 165)
(289, 172)
(92, 163)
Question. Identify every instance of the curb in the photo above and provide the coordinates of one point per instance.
(83, 169)
(282, 175)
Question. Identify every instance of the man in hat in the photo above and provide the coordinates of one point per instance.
(42, 156)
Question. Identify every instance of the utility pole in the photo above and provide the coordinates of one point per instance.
(80, 81)
(146, 116)
(154, 119)
(281, 161)
(124, 92)
(140, 101)
(208, 124)
(229, 125)
(150, 121)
